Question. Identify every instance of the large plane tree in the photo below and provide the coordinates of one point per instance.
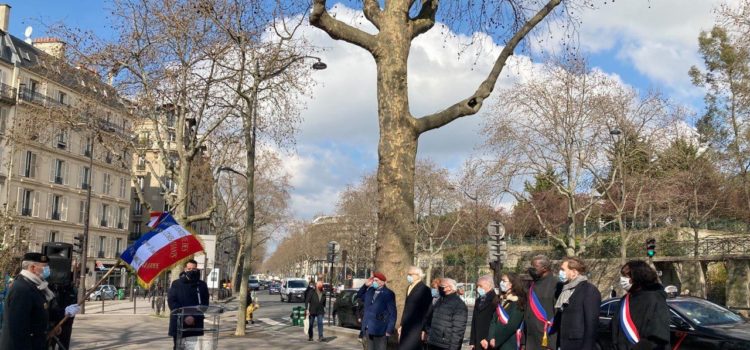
(398, 23)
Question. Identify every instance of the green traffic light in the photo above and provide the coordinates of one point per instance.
(651, 253)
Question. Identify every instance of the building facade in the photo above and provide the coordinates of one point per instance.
(56, 124)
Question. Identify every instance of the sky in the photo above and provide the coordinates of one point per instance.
(644, 43)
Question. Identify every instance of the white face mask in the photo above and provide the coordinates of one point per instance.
(503, 286)
(625, 283)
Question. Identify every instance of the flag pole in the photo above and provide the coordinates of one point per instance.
(83, 299)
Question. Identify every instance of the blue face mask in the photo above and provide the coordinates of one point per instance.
(45, 272)
(410, 279)
(481, 292)
(435, 292)
(375, 285)
(562, 277)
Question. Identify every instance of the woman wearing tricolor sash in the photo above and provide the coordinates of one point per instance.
(642, 320)
(506, 329)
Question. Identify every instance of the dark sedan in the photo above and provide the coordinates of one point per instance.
(696, 324)
(347, 309)
(274, 288)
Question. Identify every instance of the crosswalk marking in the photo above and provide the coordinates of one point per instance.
(271, 322)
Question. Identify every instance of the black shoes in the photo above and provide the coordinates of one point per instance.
(309, 339)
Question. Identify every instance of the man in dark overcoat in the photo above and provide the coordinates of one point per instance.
(484, 311)
(188, 290)
(416, 306)
(546, 287)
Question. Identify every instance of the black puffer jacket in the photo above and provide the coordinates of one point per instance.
(446, 323)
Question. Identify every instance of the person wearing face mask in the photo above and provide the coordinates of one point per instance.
(446, 323)
(315, 308)
(642, 320)
(27, 304)
(506, 326)
(434, 290)
(484, 311)
(379, 320)
(577, 307)
(539, 316)
(417, 303)
(188, 290)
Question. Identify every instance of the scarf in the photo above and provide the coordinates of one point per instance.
(567, 291)
(40, 284)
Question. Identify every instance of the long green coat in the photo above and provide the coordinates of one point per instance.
(505, 334)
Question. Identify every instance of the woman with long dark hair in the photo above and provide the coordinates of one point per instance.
(642, 321)
(505, 328)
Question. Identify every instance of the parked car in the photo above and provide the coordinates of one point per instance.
(105, 291)
(253, 283)
(328, 289)
(697, 324)
(348, 309)
(293, 289)
(274, 288)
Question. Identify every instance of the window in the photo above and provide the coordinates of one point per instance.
(55, 207)
(108, 157)
(121, 218)
(61, 140)
(3, 118)
(167, 207)
(62, 98)
(85, 177)
(58, 170)
(141, 182)
(53, 236)
(118, 246)
(141, 163)
(86, 147)
(29, 169)
(137, 207)
(123, 187)
(103, 215)
(102, 245)
(143, 139)
(137, 227)
(106, 183)
(169, 185)
(172, 137)
(27, 202)
(34, 86)
(81, 212)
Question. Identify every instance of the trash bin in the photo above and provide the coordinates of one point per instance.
(203, 334)
(120, 294)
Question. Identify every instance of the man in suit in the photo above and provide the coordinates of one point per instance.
(416, 306)
(484, 311)
(545, 287)
(379, 320)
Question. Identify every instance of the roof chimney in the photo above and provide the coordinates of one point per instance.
(4, 17)
(51, 46)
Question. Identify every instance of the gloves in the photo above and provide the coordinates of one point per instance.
(72, 310)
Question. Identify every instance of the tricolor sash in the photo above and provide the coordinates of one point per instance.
(519, 336)
(626, 322)
(502, 315)
(538, 310)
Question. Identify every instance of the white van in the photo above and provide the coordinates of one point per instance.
(293, 289)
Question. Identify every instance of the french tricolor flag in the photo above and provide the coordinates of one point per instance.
(166, 245)
(156, 216)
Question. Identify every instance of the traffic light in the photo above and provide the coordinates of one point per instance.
(78, 244)
(651, 247)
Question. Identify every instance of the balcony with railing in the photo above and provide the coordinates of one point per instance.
(38, 98)
(55, 215)
(100, 254)
(25, 211)
(103, 223)
(59, 180)
(7, 93)
(120, 225)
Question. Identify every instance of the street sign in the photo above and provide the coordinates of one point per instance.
(333, 251)
(496, 229)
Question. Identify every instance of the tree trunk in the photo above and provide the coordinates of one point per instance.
(397, 153)
(249, 127)
(623, 240)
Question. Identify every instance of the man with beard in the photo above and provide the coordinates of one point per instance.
(188, 290)
(540, 312)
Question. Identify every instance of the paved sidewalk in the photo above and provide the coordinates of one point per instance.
(119, 328)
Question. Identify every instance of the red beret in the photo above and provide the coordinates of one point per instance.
(380, 276)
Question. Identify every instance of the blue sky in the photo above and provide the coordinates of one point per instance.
(647, 44)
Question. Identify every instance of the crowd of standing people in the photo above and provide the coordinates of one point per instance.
(552, 311)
